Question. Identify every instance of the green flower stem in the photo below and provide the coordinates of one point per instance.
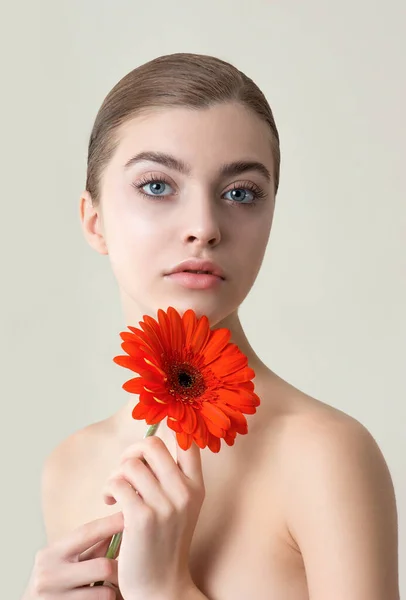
(116, 539)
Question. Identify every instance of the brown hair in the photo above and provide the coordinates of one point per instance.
(180, 79)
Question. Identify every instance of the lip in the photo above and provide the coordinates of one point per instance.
(195, 281)
(195, 264)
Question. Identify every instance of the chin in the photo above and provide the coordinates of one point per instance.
(214, 308)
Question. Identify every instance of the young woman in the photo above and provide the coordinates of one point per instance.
(183, 172)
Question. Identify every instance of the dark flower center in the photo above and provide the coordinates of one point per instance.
(185, 379)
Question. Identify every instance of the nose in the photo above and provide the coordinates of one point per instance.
(201, 223)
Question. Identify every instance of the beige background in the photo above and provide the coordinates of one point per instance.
(328, 310)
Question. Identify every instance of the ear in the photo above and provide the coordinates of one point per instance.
(92, 224)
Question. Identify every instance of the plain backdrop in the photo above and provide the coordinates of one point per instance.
(327, 312)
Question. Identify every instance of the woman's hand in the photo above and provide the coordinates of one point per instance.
(64, 569)
(161, 502)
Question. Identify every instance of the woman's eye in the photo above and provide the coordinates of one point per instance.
(241, 195)
(155, 188)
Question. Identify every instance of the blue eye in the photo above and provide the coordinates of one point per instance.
(245, 193)
(241, 195)
(156, 187)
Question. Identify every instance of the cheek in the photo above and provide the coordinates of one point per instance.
(136, 247)
(253, 239)
(250, 251)
(129, 233)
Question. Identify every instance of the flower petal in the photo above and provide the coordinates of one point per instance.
(151, 328)
(133, 333)
(218, 341)
(248, 410)
(235, 397)
(215, 415)
(238, 421)
(228, 363)
(176, 409)
(189, 323)
(154, 366)
(132, 349)
(184, 440)
(247, 386)
(126, 361)
(140, 411)
(201, 432)
(201, 334)
(239, 376)
(177, 330)
(174, 425)
(150, 375)
(257, 399)
(214, 443)
(156, 414)
(229, 438)
(148, 399)
(127, 336)
(214, 429)
(189, 420)
(155, 386)
(134, 386)
(165, 329)
(199, 441)
(149, 342)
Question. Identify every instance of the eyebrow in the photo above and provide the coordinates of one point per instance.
(227, 170)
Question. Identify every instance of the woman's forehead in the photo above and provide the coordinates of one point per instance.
(225, 132)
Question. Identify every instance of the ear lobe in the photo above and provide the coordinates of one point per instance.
(92, 225)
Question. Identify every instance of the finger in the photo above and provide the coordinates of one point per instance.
(152, 450)
(79, 574)
(89, 534)
(122, 492)
(165, 469)
(140, 477)
(95, 551)
(108, 490)
(119, 473)
(158, 458)
(190, 463)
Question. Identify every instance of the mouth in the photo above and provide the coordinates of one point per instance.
(196, 275)
(198, 267)
(196, 272)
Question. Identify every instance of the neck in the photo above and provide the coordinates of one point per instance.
(233, 323)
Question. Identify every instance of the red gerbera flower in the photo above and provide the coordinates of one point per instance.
(191, 375)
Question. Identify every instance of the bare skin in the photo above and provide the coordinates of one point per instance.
(303, 506)
(243, 544)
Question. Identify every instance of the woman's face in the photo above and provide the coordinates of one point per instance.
(200, 190)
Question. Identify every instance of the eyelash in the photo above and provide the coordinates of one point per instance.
(257, 192)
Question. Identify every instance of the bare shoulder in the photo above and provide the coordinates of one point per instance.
(322, 441)
(320, 436)
(65, 477)
(306, 424)
(339, 500)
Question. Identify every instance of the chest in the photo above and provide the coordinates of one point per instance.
(240, 546)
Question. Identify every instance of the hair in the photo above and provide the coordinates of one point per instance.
(187, 80)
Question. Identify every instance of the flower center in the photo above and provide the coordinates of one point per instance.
(185, 381)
